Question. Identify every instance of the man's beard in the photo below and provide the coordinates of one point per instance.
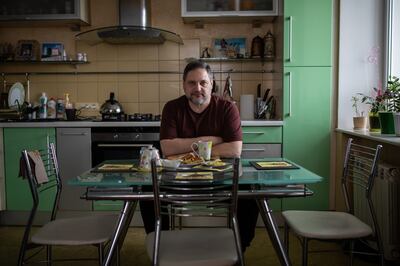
(197, 100)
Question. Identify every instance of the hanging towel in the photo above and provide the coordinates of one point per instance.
(38, 168)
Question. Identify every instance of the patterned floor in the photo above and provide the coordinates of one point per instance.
(134, 254)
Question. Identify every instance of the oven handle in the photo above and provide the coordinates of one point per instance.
(125, 145)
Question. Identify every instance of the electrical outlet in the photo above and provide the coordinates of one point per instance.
(87, 106)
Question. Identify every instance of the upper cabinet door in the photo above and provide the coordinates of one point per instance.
(308, 32)
(49, 11)
(228, 10)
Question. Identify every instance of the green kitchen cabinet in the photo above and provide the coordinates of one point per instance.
(307, 93)
(263, 142)
(308, 32)
(265, 134)
(108, 205)
(306, 134)
(18, 195)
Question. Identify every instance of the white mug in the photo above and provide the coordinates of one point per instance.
(203, 149)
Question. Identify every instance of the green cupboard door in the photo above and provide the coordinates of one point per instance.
(307, 128)
(308, 32)
(18, 195)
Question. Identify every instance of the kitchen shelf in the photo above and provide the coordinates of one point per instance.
(127, 72)
(62, 62)
(215, 59)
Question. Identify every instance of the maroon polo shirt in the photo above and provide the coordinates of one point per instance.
(220, 118)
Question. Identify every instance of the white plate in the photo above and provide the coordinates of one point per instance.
(17, 92)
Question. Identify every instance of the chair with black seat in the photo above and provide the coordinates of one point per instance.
(215, 197)
(41, 169)
(359, 172)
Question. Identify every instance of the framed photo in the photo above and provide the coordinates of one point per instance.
(27, 50)
(229, 47)
(52, 51)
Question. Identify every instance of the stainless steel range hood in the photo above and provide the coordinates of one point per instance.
(134, 27)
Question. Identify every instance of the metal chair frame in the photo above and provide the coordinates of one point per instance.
(185, 199)
(51, 165)
(359, 169)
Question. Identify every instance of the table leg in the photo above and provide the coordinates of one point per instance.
(272, 229)
(120, 231)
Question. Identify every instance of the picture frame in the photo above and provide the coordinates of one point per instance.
(229, 47)
(27, 50)
(52, 51)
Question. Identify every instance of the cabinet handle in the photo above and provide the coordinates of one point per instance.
(124, 145)
(290, 93)
(48, 153)
(254, 132)
(290, 18)
(253, 150)
(74, 134)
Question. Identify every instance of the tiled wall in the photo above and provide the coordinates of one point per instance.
(145, 93)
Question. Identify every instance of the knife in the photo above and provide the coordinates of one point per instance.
(259, 90)
(269, 100)
(266, 94)
(214, 86)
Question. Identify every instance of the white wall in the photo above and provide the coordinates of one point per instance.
(361, 53)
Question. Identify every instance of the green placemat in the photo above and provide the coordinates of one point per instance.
(273, 165)
(115, 167)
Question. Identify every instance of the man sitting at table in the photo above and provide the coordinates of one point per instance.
(195, 116)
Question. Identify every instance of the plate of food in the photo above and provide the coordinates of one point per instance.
(189, 159)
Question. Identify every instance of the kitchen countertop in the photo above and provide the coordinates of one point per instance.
(383, 138)
(117, 123)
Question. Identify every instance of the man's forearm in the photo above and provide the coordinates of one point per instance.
(227, 149)
(182, 145)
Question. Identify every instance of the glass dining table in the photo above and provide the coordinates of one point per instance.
(260, 185)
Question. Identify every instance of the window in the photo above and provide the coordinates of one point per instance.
(393, 38)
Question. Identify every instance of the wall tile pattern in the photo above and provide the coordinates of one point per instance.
(147, 92)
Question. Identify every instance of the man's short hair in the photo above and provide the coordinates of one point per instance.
(195, 65)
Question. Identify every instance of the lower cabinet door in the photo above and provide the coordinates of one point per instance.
(18, 194)
(74, 158)
(261, 150)
(108, 205)
(307, 130)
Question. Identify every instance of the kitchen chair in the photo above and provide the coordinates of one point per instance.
(359, 171)
(195, 198)
(42, 171)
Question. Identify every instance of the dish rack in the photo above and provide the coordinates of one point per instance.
(13, 111)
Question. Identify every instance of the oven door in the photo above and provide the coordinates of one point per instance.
(102, 151)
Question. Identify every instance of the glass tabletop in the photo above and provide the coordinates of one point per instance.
(250, 176)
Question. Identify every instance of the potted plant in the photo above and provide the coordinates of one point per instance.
(392, 105)
(359, 121)
(394, 102)
(377, 105)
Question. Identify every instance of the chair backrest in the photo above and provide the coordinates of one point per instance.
(37, 187)
(360, 170)
(216, 197)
